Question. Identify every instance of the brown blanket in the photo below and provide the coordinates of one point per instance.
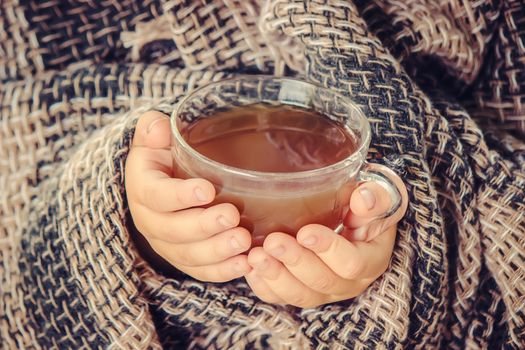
(443, 84)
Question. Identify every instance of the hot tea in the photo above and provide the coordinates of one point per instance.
(270, 138)
(275, 139)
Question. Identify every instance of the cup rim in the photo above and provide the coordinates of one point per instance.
(263, 175)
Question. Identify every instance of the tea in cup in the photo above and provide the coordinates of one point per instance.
(285, 152)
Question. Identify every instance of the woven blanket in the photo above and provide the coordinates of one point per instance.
(442, 83)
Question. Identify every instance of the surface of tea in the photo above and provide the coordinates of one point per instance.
(270, 138)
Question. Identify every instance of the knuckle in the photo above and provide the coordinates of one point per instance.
(353, 269)
(203, 222)
(186, 257)
(150, 196)
(180, 199)
(172, 233)
(217, 252)
(329, 245)
(224, 273)
(323, 283)
(294, 260)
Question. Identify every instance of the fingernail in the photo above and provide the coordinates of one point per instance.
(278, 251)
(262, 265)
(309, 241)
(368, 197)
(224, 222)
(199, 193)
(359, 234)
(235, 244)
(152, 124)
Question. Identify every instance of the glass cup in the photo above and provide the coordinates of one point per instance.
(280, 202)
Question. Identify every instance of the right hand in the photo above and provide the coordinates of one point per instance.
(205, 243)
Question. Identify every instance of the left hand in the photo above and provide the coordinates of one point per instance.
(319, 266)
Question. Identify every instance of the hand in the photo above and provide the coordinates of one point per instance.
(204, 243)
(319, 266)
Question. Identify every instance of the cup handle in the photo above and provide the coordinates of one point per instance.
(386, 178)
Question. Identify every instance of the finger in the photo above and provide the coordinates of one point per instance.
(261, 289)
(282, 282)
(308, 268)
(185, 226)
(368, 202)
(153, 186)
(210, 251)
(149, 181)
(349, 260)
(152, 130)
(371, 201)
(224, 271)
(168, 194)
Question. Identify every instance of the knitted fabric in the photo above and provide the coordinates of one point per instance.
(443, 86)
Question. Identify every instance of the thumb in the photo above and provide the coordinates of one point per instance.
(153, 131)
(368, 203)
(369, 200)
